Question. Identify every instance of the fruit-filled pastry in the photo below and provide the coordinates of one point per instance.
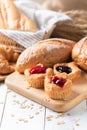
(70, 70)
(57, 87)
(35, 75)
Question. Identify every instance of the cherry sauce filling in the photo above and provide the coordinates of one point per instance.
(38, 69)
(58, 81)
(65, 69)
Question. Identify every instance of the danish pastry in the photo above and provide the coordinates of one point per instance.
(79, 53)
(47, 52)
(57, 87)
(35, 76)
(70, 70)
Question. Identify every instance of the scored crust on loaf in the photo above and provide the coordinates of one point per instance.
(79, 53)
(47, 52)
(12, 18)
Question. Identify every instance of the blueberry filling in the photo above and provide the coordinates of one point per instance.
(65, 69)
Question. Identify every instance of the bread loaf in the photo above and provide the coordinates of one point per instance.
(12, 18)
(79, 53)
(47, 52)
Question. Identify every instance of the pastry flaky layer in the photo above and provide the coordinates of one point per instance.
(47, 52)
(79, 53)
(14, 19)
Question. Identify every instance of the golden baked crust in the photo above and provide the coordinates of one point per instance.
(7, 53)
(5, 67)
(73, 75)
(79, 53)
(12, 18)
(47, 52)
(34, 80)
(53, 90)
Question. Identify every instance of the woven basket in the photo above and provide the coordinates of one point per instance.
(5, 40)
(75, 30)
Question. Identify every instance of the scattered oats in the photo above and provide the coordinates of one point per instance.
(76, 120)
(49, 118)
(32, 104)
(24, 101)
(23, 106)
(8, 91)
(12, 115)
(24, 120)
(77, 124)
(16, 101)
(31, 117)
(40, 110)
(57, 116)
(28, 106)
(68, 114)
(31, 108)
(61, 114)
(60, 123)
(73, 129)
(37, 113)
(40, 107)
(14, 95)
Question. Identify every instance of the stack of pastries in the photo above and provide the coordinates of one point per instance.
(50, 64)
(11, 18)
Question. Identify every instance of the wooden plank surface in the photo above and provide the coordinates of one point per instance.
(18, 83)
(3, 94)
(21, 113)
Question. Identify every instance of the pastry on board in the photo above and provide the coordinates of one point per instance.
(70, 70)
(57, 87)
(35, 76)
(79, 53)
(47, 52)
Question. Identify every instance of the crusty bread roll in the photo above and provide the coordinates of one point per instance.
(79, 53)
(47, 52)
(12, 18)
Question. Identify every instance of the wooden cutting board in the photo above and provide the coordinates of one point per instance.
(18, 83)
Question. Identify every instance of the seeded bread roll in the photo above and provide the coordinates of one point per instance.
(79, 53)
(47, 52)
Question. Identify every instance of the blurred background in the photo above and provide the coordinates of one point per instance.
(63, 5)
(77, 10)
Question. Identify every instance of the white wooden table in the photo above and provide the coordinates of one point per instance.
(18, 112)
